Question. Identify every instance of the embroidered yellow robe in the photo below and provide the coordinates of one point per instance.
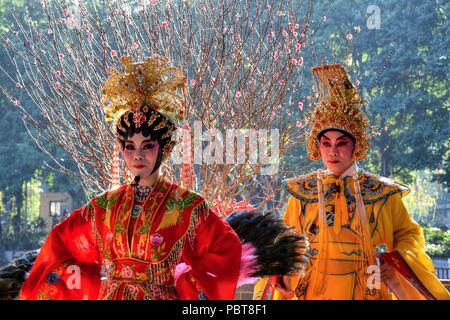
(389, 222)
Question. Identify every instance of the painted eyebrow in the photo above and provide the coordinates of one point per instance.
(338, 138)
(145, 141)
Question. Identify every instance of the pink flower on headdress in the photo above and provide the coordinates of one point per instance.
(164, 24)
(113, 53)
(298, 123)
(156, 239)
(62, 20)
(139, 118)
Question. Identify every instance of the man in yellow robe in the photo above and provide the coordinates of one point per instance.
(348, 213)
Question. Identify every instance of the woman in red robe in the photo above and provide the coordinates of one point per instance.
(151, 239)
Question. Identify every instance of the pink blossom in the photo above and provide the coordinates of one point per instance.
(56, 85)
(66, 12)
(156, 239)
(113, 53)
(298, 123)
(291, 26)
(57, 73)
(270, 35)
(109, 236)
(281, 82)
(347, 62)
(60, 56)
(164, 24)
(298, 46)
(324, 18)
(238, 95)
(295, 34)
(15, 103)
(134, 45)
(300, 105)
(349, 37)
(72, 20)
(294, 62)
(357, 82)
(50, 31)
(62, 20)
(203, 8)
(300, 61)
(296, 26)
(192, 83)
(90, 36)
(153, 2)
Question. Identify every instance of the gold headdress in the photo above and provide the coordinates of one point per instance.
(339, 107)
(149, 83)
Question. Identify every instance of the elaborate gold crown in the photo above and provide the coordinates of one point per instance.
(149, 83)
(338, 107)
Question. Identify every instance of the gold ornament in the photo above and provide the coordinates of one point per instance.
(338, 107)
(149, 84)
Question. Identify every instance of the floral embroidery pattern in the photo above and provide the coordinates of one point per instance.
(157, 241)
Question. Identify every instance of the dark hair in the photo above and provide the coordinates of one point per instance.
(155, 125)
(345, 133)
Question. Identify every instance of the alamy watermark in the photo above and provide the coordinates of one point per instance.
(230, 146)
(374, 20)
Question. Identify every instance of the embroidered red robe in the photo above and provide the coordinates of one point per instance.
(95, 254)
